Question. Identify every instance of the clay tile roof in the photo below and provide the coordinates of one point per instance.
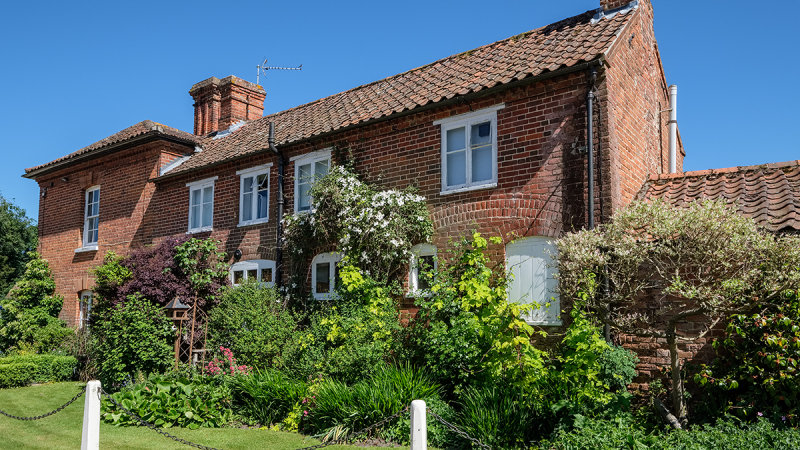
(146, 127)
(768, 193)
(562, 44)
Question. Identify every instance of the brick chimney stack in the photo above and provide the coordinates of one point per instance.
(218, 104)
(608, 5)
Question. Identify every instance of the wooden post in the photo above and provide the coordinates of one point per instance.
(419, 428)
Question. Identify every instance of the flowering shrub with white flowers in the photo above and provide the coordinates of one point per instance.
(373, 229)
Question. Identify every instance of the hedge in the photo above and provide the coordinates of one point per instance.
(22, 370)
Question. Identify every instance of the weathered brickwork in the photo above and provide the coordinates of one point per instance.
(541, 171)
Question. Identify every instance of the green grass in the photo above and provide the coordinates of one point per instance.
(63, 430)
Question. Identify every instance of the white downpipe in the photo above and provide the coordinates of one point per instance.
(90, 437)
(419, 427)
(673, 129)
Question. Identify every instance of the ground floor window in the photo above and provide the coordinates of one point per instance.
(423, 259)
(261, 270)
(531, 264)
(325, 275)
(84, 308)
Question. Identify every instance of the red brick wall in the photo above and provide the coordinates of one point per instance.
(635, 98)
(125, 193)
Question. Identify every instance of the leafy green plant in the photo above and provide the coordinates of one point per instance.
(21, 370)
(251, 321)
(500, 416)
(756, 370)
(467, 331)
(167, 402)
(29, 314)
(617, 367)
(132, 337)
(266, 396)
(18, 240)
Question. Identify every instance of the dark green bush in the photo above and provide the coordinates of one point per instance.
(172, 401)
(265, 397)
(500, 416)
(350, 408)
(21, 370)
(617, 367)
(132, 337)
(251, 321)
(757, 369)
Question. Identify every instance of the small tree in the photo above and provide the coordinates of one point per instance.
(663, 266)
(29, 315)
(17, 242)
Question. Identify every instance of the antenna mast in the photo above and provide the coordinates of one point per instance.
(263, 67)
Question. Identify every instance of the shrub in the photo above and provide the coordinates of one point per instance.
(29, 315)
(22, 370)
(252, 322)
(499, 416)
(467, 332)
(756, 370)
(695, 263)
(266, 396)
(167, 402)
(617, 367)
(335, 405)
(132, 337)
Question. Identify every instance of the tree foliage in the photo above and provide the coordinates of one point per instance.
(18, 238)
(665, 265)
(29, 315)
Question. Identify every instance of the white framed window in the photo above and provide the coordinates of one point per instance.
(325, 275)
(91, 218)
(84, 308)
(254, 195)
(423, 259)
(469, 150)
(532, 268)
(261, 270)
(201, 205)
(307, 168)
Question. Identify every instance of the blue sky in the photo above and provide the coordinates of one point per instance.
(76, 72)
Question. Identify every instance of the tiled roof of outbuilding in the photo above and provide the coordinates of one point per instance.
(768, 193)
(142, 128)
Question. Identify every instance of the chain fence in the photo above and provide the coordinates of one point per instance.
(42, 416)
(351, 437)
(457, 430)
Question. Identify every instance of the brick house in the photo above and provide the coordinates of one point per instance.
(497, 139)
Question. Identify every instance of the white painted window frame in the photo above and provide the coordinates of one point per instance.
(253, 264)
(199, 185)
(333, 258)
(466, 121)
(253, 172)
(417, 252)
(86, 296)
(550, 315)
(301, 160)
(86, 245)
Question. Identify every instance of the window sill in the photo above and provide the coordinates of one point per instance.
(419, 294)
(324, 297)
(469, 188)
(554, 323)
(253, 222)
(86, 248)
(200, 230)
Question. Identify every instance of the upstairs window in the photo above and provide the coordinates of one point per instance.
(254, 195)
(261, 270)
(423, 259)
(307, 168)
(91, 217)
(325, 275)
(533, 278)
(201, 205)
(469, 150)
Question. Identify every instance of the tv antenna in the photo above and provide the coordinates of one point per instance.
(263, 67)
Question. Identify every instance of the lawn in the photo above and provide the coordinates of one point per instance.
(63, 430)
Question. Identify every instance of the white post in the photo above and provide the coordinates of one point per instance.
(90, 438)
(419, 428)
